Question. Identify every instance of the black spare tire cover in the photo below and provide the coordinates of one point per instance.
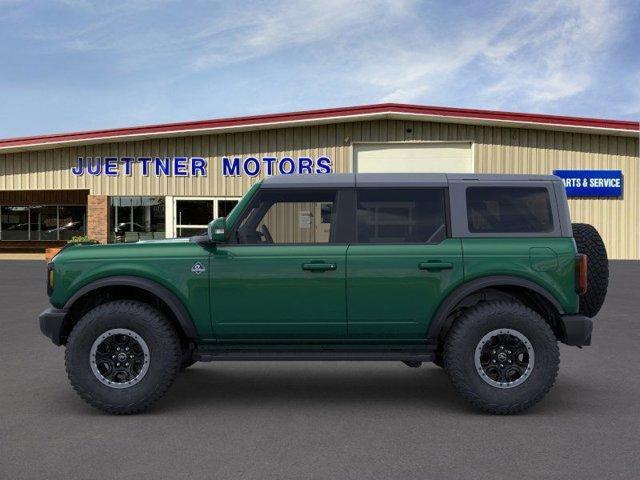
(590, 243)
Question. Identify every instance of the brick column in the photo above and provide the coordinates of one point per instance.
(98, 218)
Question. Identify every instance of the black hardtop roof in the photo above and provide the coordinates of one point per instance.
(346, 180)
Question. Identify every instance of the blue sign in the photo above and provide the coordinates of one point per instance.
(591, 183)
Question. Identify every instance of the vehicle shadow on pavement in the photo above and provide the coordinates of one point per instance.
(247, 385)
(316, 385)
(208, 385)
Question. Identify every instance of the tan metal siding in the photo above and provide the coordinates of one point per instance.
(43, 197)
(530, 151)
(495, 150)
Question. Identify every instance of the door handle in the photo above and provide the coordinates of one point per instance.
(319, 267)
(435, 266)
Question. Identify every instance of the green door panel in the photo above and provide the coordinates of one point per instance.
(278, 292)
(393, 290)
(165, 262)
(549, 262)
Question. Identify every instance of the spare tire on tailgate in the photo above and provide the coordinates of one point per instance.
(590, 243)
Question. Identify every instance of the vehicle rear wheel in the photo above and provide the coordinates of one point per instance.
(589, 242)
(122, 356)
(438, 360)
(502, 357)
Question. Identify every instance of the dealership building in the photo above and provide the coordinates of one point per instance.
(162, 181)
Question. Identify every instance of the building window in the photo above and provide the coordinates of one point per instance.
(42, 222)
(71, 221)
(136, 218)
(193, 214)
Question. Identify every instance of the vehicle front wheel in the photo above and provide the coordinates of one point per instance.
(502, 357)
(187, 359)
(122, 356)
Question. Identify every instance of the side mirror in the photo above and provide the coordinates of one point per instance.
(217, 230)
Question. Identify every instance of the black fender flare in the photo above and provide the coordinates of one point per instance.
(174, 303)
(468, 288)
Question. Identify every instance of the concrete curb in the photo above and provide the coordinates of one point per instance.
(22, 256)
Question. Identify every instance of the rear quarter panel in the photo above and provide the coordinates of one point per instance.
(548, 262)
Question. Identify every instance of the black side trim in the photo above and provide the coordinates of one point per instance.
(176, 306)
(455, 297)
(310, 355)
(202, 240)
(577, 330)
(52, 323)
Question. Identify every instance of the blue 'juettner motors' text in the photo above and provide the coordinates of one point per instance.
(197, 166)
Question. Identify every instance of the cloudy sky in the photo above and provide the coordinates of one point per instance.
(81, 64)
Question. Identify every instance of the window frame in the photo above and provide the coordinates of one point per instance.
(445, 204)
(340, 233)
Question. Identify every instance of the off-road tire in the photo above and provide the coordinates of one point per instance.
(164, 352)
(589, 242)
(464, 337)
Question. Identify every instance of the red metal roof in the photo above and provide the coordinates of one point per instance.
(467, 115)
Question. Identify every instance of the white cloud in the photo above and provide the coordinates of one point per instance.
(515, 56)
(553, 56)
(275, 26)
(542, 53)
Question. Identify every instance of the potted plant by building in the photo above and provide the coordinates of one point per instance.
(49, 253)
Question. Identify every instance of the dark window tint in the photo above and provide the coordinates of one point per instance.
(401, 216)
(15, 223)
(137, 218)
(72, 221)
(509, 210)
(194, 212)
(225, 207)
(42, 222)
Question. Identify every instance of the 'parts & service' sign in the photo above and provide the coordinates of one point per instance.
(591, 183)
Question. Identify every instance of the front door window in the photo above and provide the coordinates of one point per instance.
(289, 218)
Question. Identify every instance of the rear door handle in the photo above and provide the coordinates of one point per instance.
(319, 267)
(435, 266)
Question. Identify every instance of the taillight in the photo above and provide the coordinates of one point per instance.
(50, 278)
(581, 273)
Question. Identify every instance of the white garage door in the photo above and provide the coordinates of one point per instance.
(413, 158)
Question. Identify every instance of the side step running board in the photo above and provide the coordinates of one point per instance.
(310, 355)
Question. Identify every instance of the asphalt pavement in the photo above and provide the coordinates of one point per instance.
(334, 420)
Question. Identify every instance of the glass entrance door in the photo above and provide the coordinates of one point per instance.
(193, 214)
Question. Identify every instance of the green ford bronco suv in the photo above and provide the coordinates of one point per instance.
(481, 274)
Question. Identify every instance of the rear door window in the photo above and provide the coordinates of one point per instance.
(509, 210)
(402, 215)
